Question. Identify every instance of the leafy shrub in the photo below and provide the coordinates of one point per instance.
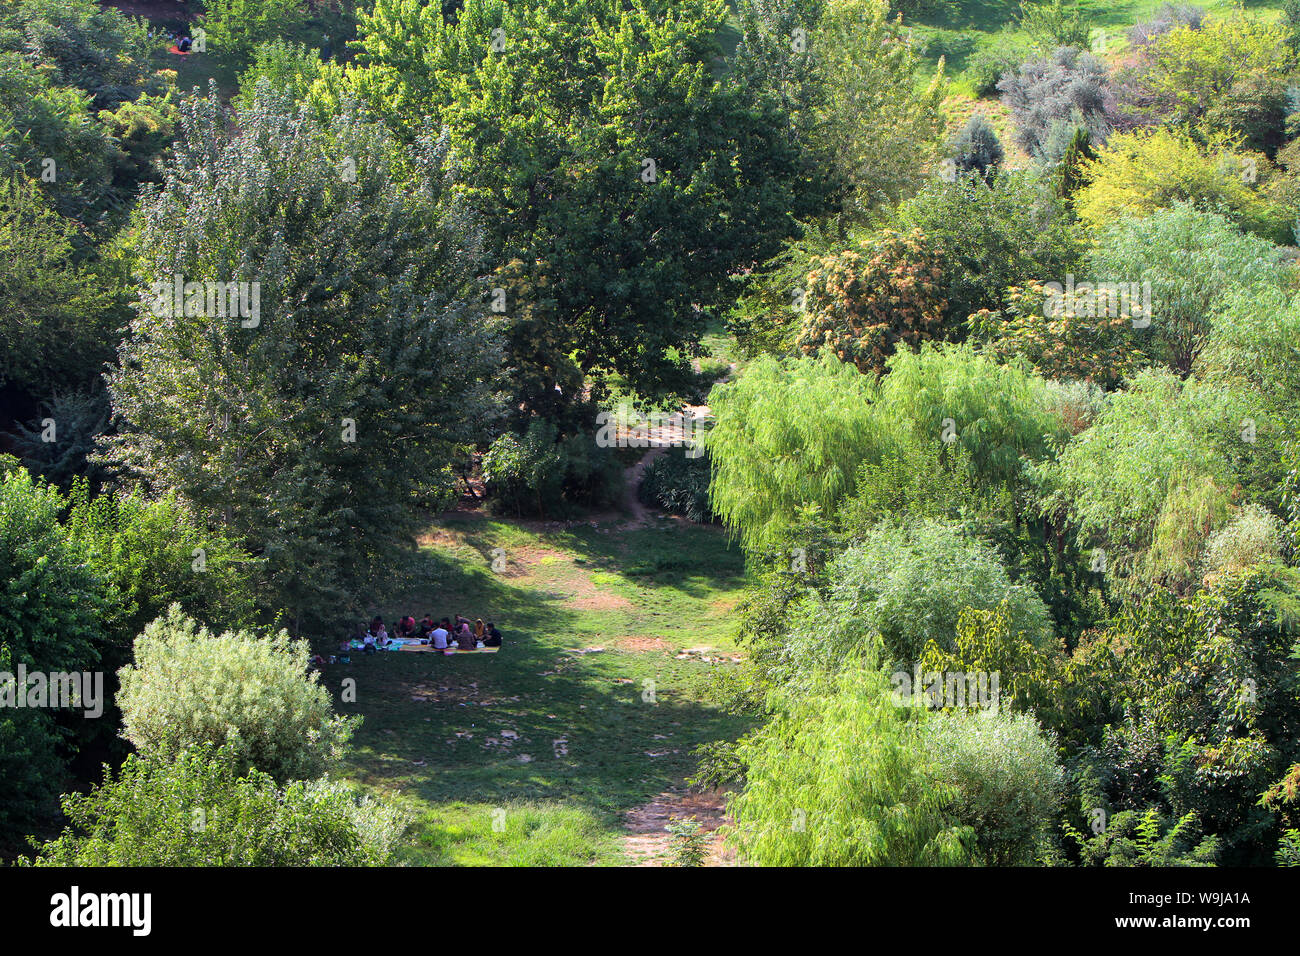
(788, 436)
(188, 687)
(1156, 440)
(839, 778)
(1195, 262)
(1147, 838)
(679, 484)
(1170, 16)
(1141, 172)
(998, 57)
(536, 472)
(50, 605)
(235, 28)
(1008, 782)
(1251, 538)
(1054, 23)
(284, 66)
(151, 554)
(688, 843)
(199, 810)
(873, 300)
(976, 148)
(991, 236)
(909, 584)
(1228, 75)
(85, 45)
(1061, 337)
(1057, 87)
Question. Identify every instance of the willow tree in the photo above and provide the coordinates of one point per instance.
(306, 418)
(839, 778)
(788, 438)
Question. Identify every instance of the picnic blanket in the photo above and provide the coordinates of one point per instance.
(451, 650)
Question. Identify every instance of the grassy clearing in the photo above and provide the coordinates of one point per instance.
(970, 26)
(532, 756)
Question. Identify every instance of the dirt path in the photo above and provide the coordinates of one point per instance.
(639, 514)
(649, 844)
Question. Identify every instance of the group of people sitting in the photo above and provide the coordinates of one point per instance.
(441, 634)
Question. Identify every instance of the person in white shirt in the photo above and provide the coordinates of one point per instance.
(438, 637)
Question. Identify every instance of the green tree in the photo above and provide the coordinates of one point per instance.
(992, 236)
(236, 27)
(58, 327)
(50, 604)
(625, 178)
(1194, 261)
(369, 356)
(839, 778)
(909, 583)
(787, 437)
(1139, 173)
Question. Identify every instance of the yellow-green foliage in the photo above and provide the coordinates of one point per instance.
(1194, 74)
(1140, 172)
(839, 779)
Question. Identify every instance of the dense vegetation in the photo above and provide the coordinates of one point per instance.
(996, 318)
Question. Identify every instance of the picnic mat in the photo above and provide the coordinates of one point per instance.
(451, 650)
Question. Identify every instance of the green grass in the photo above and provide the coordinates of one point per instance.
(970, 25)
(448, 735)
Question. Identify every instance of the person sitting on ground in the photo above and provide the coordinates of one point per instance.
(406, 627)
(184, 45)
(493, 638)
(426, 627)
(479, 633)
(465, 637)
(375, 624)
(438, 636)
(368, 642)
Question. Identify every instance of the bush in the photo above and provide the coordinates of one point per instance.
(235, 28)
(678, 484)
(189, 687)
(1228, 75)
(1194, 261)
(873, 300)
(1141, 172)
(50, 605)
(1008, 782)
(976, 148)
(909, 584)
(1251, 538)
(1053, 23)
(839, 778)
(1000, 56)
(1169, 17)
(992, 236)
(200, 811)
(1048, 89)
(539, 472)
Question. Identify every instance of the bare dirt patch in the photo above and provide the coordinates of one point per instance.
(640, 644)
(649, 844)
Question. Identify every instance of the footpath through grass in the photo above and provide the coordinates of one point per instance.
(532, 756)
